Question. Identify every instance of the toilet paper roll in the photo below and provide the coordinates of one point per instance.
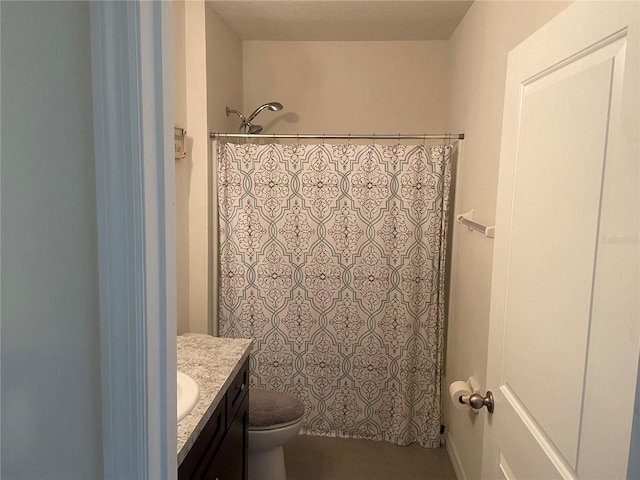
(457, 390)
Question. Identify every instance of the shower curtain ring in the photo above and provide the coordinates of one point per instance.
(323, 139)
(349, 141)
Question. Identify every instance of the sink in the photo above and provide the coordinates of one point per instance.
(188, 394)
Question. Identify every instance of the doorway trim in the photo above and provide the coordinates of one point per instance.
(131, 77)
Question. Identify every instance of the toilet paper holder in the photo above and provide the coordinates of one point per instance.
(467, 393)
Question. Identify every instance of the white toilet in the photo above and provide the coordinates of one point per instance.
(274, 418)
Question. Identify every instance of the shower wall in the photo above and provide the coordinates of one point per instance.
(342, 87)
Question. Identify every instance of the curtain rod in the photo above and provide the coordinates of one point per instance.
(330, 136)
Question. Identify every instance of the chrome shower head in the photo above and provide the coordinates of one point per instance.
(273, 106)
(246, 122)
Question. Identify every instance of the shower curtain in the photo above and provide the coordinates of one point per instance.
(332, 260)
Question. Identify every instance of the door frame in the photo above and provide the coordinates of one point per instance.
(135, 190)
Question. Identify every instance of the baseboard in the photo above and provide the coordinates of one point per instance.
(455, 458)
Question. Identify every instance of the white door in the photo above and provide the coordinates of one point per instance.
(565, 328)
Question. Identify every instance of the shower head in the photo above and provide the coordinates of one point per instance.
(273, 106)
(246, 122)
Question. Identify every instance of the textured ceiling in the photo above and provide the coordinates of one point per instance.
(324, 20)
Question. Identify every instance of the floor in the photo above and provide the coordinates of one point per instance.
(324, 458)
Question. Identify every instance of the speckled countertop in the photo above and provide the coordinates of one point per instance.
(213, 363)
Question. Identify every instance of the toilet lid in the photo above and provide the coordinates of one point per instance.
(270, 409)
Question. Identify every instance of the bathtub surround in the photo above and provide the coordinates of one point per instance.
(332, 259)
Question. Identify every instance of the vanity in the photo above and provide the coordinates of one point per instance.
(213, 437)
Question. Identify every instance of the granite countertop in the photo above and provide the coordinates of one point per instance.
(213, 363)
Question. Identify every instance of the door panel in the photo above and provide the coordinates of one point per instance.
(564, 334)
(553, 246)
(615, 326)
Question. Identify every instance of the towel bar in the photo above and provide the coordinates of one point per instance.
(466, 219)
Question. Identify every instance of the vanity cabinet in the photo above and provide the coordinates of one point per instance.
(220, 451)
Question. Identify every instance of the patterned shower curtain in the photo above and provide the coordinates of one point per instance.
(332, 260)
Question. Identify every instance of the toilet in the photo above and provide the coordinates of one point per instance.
(274, 418)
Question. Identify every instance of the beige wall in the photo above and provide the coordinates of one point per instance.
(224, 73)
(207, 63)
(51, 401)
(183, 166)
(224, 88)
(348, 87)
(479, 49)
(198, 165)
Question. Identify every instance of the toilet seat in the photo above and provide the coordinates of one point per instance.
(270, 409)
(274, 427)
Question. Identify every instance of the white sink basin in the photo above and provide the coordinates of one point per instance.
(188, 394)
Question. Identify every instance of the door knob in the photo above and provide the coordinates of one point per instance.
(477, 401)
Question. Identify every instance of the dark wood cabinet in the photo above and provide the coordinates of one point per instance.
(220, 451)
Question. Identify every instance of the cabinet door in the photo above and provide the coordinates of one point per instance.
(231, 460)
(205, 446)
(237, 392)
(220, 452)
